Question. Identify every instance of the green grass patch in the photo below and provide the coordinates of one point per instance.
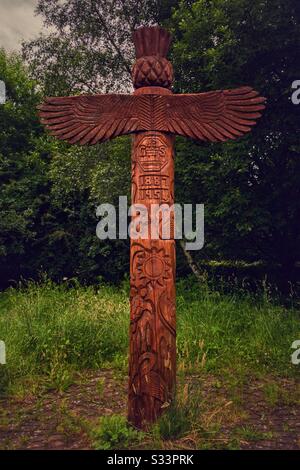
(53, 331)
(114, 432)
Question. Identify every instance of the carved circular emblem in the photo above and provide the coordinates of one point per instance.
(154, 267)
(151, 153)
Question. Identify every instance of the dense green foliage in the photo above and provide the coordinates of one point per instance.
(250, 188)
(21, 173)
(49, 193)
(52, 331)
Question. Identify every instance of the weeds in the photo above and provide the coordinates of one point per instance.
(114, 432)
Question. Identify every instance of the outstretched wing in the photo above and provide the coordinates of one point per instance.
(90, 119)
(213, 116)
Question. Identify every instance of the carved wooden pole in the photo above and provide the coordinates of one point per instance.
(152, 364)
(154, 115)
(152, 361)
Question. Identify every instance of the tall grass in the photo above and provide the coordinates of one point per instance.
(51, 330)
(239, 330)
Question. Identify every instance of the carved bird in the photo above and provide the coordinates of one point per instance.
(213, 116)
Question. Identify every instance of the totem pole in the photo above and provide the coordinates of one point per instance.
(154, 115)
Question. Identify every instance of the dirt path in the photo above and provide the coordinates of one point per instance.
(58, 420)
(258, 415)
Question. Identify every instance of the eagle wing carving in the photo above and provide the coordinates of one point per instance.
(212, 116)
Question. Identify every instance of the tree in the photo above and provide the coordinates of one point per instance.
(47, 220)
(90, 47)
(251, 188)
(82, 179)
(21, 178)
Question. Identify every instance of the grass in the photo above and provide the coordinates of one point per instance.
(114, 432)
(52, 331)
(55, 334)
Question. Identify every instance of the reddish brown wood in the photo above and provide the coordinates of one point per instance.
(153, 114)
(152, 363)
(213, 116)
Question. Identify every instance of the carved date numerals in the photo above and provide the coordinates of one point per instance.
(154, 187)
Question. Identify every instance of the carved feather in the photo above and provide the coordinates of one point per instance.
(213, 116)
(90, 119)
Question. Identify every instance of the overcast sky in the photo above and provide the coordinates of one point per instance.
(17, 22)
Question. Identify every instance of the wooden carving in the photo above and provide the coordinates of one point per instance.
(153, 114)
(213, 116)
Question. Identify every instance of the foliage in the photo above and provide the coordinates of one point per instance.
(21, 174)
(251, 187)
(81, 180)
(90, 46)
(49, 193)
(114, 432)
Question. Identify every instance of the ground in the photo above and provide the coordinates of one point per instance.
(228, 413)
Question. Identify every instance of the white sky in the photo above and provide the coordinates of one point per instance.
(17, 22)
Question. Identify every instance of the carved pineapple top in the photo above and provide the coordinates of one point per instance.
(152, 68)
